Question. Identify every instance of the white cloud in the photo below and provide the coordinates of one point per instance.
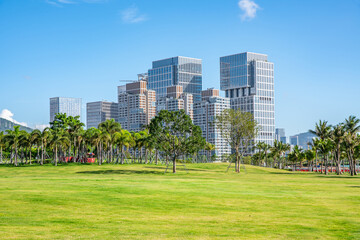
(131, 15)
(8, 115)
(249, 9)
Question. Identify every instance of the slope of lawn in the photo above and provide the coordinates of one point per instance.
(141, 202)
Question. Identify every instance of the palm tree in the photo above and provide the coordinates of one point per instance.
(122, 139)
(209, 148)
(110, 127)
(275, 150)
(352, 127)
(13, 137)
(325, 146)
(26, 142)
(2, 144)
(96, 139)
(259, 146)
(266, 147)
(337, 137)
(322, 130)
(297, 155)
(58, 140)
(310, 156)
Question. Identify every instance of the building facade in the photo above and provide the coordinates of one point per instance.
(98, 112)
(70, 106)
(280, 135)
(176, 100)
(205, 113)
(303, 140)
(136, 105)
(183, 71)
(248, 80)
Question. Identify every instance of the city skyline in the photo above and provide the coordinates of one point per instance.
(85, 57)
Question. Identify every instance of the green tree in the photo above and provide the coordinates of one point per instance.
(175, 133)
(13, 137)
(239, 129)
(109, 128)
(352, 127)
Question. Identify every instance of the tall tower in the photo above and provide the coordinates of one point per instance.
(248, 80)
(136, 105)
(183, 71)
(205, 113)
(70, 106)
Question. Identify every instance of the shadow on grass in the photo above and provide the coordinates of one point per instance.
(128, 171)
(178, 167)
(283, 173)
(354, 186)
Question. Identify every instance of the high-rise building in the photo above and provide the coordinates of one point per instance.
(280, 135)
(70, 106)
(183, 71)
(137, 105)
(248, 80)
(303, 140)
(205, 113)
(176, 100)
(98, 112)
(294, 140)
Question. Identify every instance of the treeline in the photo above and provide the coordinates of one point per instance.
(169, 136)
(336, 148)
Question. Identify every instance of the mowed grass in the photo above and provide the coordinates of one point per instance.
(141, 202)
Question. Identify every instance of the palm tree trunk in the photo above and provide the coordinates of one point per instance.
(156, 156)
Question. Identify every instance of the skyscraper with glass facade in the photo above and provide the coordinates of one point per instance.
(70, 106)
(183, 71)
(98, 112)
(248, 80)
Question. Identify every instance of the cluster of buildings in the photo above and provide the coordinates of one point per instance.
(247, 80)
(303, 140)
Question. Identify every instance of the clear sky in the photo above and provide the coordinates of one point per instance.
(82, 48)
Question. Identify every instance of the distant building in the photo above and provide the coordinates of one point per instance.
(248, 80)
(136, 105)
(70, 106)
(9, 125)
(183, 71)
(176, 100)
(303, 140)
(205, 113)
(294, 140)
(98, 112)
(280, 135)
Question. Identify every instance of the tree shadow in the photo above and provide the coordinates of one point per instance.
(283, 173)
(129, 171)
(178, 167)
(354, 186)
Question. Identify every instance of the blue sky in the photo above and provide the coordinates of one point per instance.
(82, 48)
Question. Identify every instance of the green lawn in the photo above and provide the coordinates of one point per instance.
(140, 202)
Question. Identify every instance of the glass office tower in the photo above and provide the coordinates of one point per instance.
(183, 71)
(248, 80)
(70, 106)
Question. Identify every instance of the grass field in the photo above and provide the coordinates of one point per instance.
(141, 202)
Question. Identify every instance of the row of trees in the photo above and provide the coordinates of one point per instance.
(334, 146)
(170, 135)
